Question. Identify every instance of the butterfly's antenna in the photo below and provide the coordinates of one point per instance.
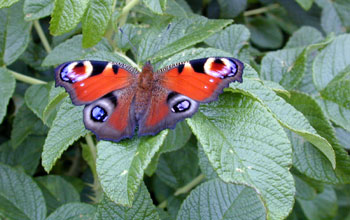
(133, 47)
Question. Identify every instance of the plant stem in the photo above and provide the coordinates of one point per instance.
(96, 185)
(260, 10)
(125, 11)
(27, 79)
(42, 36)
(190, 185)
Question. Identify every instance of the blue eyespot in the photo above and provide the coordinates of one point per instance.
(99, 114)
(181, 106)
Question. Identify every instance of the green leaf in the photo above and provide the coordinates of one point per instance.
(73, 211)
(7, 87)
(72, 50)
(326, 66)
(265, 33)
(36, 9)
(338, 114)
(174, 8)
(176, 138)
(43, 99)
(247, 147)
(324, 206)
(66, 15)
(120, 166)
(338, 89)
(57, 191)
(231, 8)
(343, 137)
(14, 33)
(66, 128)
(305, 4)
(131, 33)
(155, 5)
(342, 7)
(330, 19)
(231, 39)
(26, 156)
(7, 3)
(20, 197)
(25, 124)
(219, 200)
(95, 21)
(205, 165)
(285, 113)
(304, 190)
(197, 29)
(142, 208)
(178, 168)
(304, 37)
(317, 167)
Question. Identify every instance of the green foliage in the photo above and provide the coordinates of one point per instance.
(274, 147)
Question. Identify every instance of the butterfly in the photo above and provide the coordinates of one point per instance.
(118, 98)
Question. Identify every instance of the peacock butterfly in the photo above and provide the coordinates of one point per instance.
(118, 98)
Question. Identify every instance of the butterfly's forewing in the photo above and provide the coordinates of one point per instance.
(106, 89)
(203, 79)
(182, 87)
(86, 81)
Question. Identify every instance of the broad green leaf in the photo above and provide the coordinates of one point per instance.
(303, 189)
(7, 87)
(343, 137)
(324, 206)
(285, 113)
(66, 15)
(95, 21)
(131, 33)
(73, 211)
(343, 7)
(109, 56)
(231, 39)
(218, 200)
(120, 166)
(66, 128)
(304, 37)
(174, 8)
(330, 19)
(7, 3)
(155, 5)
(20, 197)
(246, 144)
(36, 9)
(191, 54)
(338, 90)
(178, 168)
(176, 138)
(142, 208)
(26, 156)
(43, 100)
(56, 191)
(314, 165)
(265, 33)
(182, 33)
(25, 124)
(205, 165)
(326, 66)
(14, 33)
(305, 4)
(72, 50)
(231, 8)
(338, 114)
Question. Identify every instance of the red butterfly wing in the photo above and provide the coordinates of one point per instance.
(107, 89)
(87, 81)
(183, 86)
(203, 79)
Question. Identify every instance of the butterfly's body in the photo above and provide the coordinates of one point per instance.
(118, 98)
